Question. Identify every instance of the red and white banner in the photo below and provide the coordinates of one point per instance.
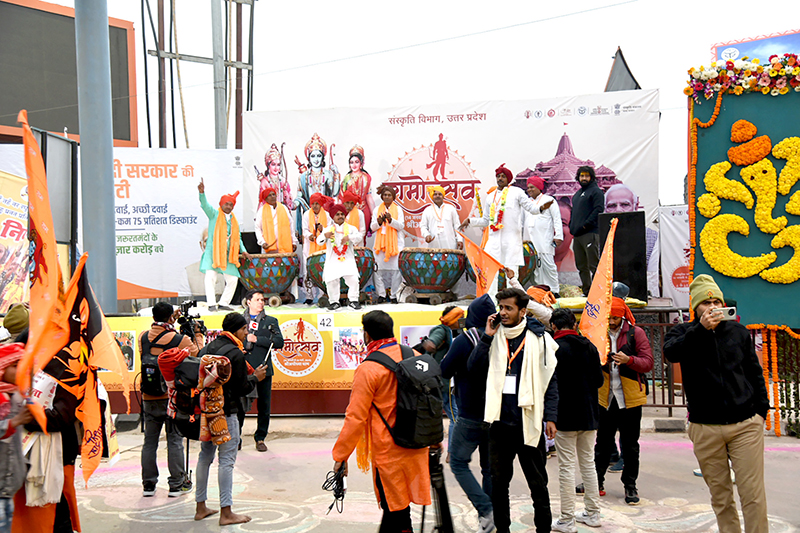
(460, 146)
(673, 221)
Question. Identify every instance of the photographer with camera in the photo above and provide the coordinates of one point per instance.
(263, 336)
(162, 336)
(727, 402)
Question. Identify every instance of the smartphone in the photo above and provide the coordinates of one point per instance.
(496, 321)
(728, 313)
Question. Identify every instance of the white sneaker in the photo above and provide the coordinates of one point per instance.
(590, 519)
(486, 523)
(567, 526)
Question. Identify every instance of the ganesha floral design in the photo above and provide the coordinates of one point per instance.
(758, 190)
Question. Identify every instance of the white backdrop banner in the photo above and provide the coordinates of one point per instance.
(673, 221)
(459, 146)
(159, 222)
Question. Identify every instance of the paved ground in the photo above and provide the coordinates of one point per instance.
(280, 489)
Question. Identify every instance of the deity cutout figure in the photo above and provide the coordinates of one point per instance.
(439, 157)
(275, 177)
(358, 181)
(315, 177)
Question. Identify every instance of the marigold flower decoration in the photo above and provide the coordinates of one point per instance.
(718, 254)
(743, 75)
(762, 178)
(717, 184)
(790, 271)
(789, 149)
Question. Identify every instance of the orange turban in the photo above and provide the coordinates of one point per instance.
(542, 296)
(452, 317)
(264, 193)
(320, 199)
(348, 196)
(228, 198)
(621, 309)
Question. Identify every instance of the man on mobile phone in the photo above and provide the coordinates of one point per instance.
(728, 404)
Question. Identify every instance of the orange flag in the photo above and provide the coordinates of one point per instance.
(46, 283)
(90, 345)
(484, 265)
(594, 322)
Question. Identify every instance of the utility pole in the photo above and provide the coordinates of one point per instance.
(97, 170)
(221, 135)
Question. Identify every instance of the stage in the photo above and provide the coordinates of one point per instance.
(314, 369)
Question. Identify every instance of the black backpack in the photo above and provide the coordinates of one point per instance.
(152, 381)
(419, 399)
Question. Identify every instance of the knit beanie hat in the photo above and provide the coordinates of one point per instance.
(233, 322)
(16, 319)
(703, 288)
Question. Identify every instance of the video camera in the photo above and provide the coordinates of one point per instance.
(190, 324)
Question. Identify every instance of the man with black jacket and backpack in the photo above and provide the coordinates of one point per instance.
(587, 204)
(263, 335)
(160, 337)
(621, 397)
(728, 403)
(519, 361)
(470, 432)
(401, 473)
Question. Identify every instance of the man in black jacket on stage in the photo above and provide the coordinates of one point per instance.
(587, 204)
(728, 403)
(263, 334)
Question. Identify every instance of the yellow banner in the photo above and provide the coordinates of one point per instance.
(13, 240)
(321, 349)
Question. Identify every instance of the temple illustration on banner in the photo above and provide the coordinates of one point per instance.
(559, 172)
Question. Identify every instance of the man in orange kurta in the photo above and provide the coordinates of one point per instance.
(400, 475)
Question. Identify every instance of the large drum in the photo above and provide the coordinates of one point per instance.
(431, 270)
(525, 271)
(365, 260)
(271, 273)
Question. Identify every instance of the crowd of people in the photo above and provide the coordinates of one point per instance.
(518, 381)
(334, 218)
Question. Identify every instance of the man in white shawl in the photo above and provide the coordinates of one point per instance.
(519, 361)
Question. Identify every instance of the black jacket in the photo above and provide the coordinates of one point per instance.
(723, 379)
(268, 331)
(470, 386)
(240, 383)
(510, 412)
(579, 376)
(587, 204)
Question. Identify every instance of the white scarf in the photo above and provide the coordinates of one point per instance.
(537, 369)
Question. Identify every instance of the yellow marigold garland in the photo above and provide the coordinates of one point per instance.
(775, 399)
(762, 178)
(788, 149)
(765, 364)
(709, 205)
(716, 183)
(790, 271)
(717, 252)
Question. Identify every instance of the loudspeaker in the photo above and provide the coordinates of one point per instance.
(630, 250)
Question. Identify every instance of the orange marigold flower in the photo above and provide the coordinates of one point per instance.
(688, 91)
(751, 151)
(743, 131)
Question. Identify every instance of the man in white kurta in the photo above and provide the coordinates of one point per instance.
(314, 220)
(439, 223)
(339, 239)
(544, 231)
(388, 224)
(354, 216)
(503, 215)
(280, 237)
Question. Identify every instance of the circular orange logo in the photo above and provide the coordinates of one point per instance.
(302, 349)
(680, 278)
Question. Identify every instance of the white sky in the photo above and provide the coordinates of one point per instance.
(547, 49)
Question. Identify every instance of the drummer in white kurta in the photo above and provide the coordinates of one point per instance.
(274, 228)
(354, 216)
(314, 220)
(339, 239)
(439, 223)
(545, 232)
(503, 220)
(388, 224)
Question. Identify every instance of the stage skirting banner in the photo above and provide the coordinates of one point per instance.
(14, 287)
(321, 349)
(673, 225)
(159, 222)
(458, 146)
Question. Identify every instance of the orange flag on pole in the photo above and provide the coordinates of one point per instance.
(594, 321)
(46, 282)
(484, 265)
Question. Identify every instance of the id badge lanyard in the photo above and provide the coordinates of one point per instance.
(510, 386)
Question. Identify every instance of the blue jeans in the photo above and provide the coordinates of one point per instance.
(6, 513)
(465, 438)
(227, 458)
(450, 409)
